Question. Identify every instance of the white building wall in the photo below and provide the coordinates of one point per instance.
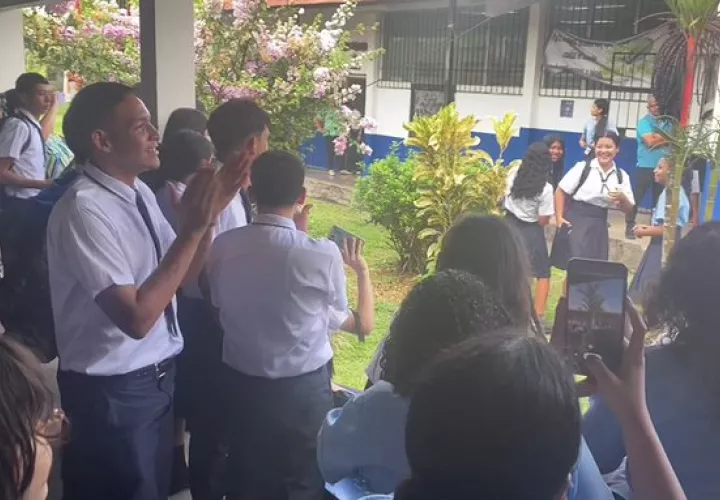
(12, 51)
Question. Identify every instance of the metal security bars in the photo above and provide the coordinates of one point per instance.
(489, 53)
(601, 20)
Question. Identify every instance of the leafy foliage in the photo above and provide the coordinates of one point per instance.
(453, 178)
(388, 195)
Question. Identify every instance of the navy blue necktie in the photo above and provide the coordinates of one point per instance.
(246, 205)
(145, 214)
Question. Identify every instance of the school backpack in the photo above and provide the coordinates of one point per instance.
(25, 305)
(586, 173)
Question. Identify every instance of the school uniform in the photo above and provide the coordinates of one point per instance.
(117, 391)
(523, 214)
(586, 208)
(650, 267)
(588, 133)
(199, 385)
(21, 140)
(280, 293)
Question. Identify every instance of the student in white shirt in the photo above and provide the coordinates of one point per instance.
(582, 201)
(529, 206)
(596, 126)
(115, 265)
(280, 294)
(22, 145)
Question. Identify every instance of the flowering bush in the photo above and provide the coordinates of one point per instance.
(297, 72)
(99, 43)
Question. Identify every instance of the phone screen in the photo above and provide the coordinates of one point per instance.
(596, 311)
(338, 236)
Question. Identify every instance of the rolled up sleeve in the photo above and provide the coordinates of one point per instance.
(91, 249)
(339, 310)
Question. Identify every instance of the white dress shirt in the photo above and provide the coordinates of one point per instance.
(97, 239)
(232, 217)
(29, 163)
(280, 294)
(598, 185)
(529, 209)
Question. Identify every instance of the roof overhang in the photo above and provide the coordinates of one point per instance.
(492, 7)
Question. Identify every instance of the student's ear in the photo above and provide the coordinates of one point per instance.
(101, 141)
(303, 197)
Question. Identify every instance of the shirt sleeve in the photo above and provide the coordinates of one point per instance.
(644, 128)
(339, 309)
(603, 435)
(90, 248)
(570, 181)
(626, 187)
(13, 137)
(547, 202)
(340, 440)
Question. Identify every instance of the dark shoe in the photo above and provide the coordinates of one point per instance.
(180, 479)
(629, 233)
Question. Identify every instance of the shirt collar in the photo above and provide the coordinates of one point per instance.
(275, 220)
(596, 164)
(29, 115)
(110, 183)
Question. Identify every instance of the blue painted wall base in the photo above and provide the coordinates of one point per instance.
(315, 153)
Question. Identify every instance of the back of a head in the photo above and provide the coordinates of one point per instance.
(232, 124)
(25, 404)
(278, 179)
(185, 119)
(685, 300)
(89, 111)
(440, 311)
(489, 248)
(181, 155)
(26, 83)
(496, 417)
(533, 172)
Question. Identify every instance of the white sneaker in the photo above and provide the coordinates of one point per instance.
(331, 173)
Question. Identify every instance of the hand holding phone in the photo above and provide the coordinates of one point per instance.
(338, 235)
(595, 317)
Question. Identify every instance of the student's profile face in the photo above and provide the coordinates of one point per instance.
(653, 106)
(39, 101)
(263, 142)
(594, 110)
(132, 137)
(662, 171)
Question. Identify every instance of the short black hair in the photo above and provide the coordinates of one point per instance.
(277, 179)
(89, 110)
(439, 312)
(185, 119)
(181, 155)
(603, 105)
(609, 134)
(27, 82)
(496, 416)
(233, 123)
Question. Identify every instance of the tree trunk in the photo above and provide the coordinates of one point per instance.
(675, 179)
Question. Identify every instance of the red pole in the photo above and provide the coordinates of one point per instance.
(689, 81)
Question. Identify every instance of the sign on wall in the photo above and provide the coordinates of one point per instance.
(621, 64)
(426, 101)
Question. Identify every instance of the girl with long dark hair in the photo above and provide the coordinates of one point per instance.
(682, 372)
(528, 208)
(596, 127)
(556, 145)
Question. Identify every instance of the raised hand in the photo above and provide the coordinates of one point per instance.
(352, 254)
(301, 218)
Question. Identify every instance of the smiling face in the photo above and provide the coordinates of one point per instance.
(130, 137)
(606, 151)
(662, 171)
(557, 151)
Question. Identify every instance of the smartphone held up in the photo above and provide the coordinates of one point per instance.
(338, 235)
(596, 292)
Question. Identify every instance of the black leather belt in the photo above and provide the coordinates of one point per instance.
(157, 370)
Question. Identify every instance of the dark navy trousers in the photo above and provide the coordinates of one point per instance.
(121, 434)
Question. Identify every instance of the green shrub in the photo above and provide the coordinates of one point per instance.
(388, 194)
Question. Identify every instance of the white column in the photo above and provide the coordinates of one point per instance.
(537, 28)
(12, 50)
(167, 56)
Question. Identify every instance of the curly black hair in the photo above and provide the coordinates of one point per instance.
(439, 312)
(533, 172)
(685, 300)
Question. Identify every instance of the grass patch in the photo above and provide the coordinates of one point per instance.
(351, 356)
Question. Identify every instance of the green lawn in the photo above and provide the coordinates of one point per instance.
(352, 357)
